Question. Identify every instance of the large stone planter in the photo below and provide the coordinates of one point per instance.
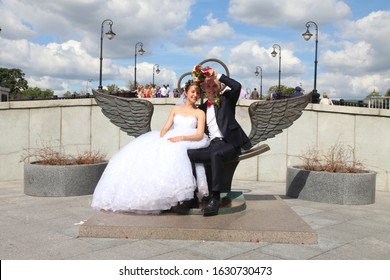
(336, 188)
(61, 180)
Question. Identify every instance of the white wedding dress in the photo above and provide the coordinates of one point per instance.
(151, 174)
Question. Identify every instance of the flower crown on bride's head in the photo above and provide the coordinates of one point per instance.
(190, 83)
(199, 74)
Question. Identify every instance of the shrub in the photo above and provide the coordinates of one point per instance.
(47, 155)
(338, 159)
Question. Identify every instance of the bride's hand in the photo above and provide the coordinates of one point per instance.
(176, 139)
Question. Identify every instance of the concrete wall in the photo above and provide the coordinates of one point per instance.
(77, 125)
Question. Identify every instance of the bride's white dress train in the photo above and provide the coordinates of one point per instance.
(151, 174)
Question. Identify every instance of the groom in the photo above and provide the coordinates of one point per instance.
(226, 135)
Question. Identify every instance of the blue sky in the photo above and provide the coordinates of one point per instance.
(57, 43)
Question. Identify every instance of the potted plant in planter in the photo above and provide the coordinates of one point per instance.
(331, 178)
(53, 173)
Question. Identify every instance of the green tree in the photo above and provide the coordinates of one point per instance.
(14, 80)
(76, 94)
(112, 88)
(36, 93)
(286, 91)
(67, 94)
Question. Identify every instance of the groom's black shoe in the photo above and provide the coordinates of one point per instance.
(212, 207)
(185, 207)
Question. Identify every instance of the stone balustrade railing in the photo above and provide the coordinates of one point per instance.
(381, 102)
(77, 125)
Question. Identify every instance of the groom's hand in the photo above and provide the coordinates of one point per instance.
(210, 73)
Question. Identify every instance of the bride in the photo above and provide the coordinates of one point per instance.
(153, 172)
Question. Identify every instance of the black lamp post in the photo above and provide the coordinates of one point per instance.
(110, 35)
(274, 53)
(155, 70)
(307, 35)
(141, 52)
(261, 79)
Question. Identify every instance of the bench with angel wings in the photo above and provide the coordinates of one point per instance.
(268, 118)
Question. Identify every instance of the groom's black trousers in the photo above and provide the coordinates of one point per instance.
(216, 154)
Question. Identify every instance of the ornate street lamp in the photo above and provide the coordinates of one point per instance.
(274, 53)
(110, 35)
(157, 72)
(307, 35)
(141, 52)
(261, 80)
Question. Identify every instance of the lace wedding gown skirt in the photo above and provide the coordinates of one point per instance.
(151, 174)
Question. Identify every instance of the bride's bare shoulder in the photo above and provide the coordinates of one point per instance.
(199, 112)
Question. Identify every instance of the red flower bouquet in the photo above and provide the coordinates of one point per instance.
(199, 74)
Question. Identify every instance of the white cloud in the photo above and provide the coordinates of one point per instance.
(245, 57)
(216, 51)
(287, 12)
(355, 61)
(373, 31)
(66, 60)
(63, 57)
(355, 57)
(212, 32)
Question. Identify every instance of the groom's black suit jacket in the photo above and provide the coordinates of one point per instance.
(225, 115)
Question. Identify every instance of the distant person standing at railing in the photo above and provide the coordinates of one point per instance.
(298, 92)
(168, 91)
(325, 99)
(140, 93)
(254, 94)
(153, 91)
(163, 91)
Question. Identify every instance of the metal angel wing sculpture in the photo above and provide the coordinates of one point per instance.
(131, 115)
(268, 118)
